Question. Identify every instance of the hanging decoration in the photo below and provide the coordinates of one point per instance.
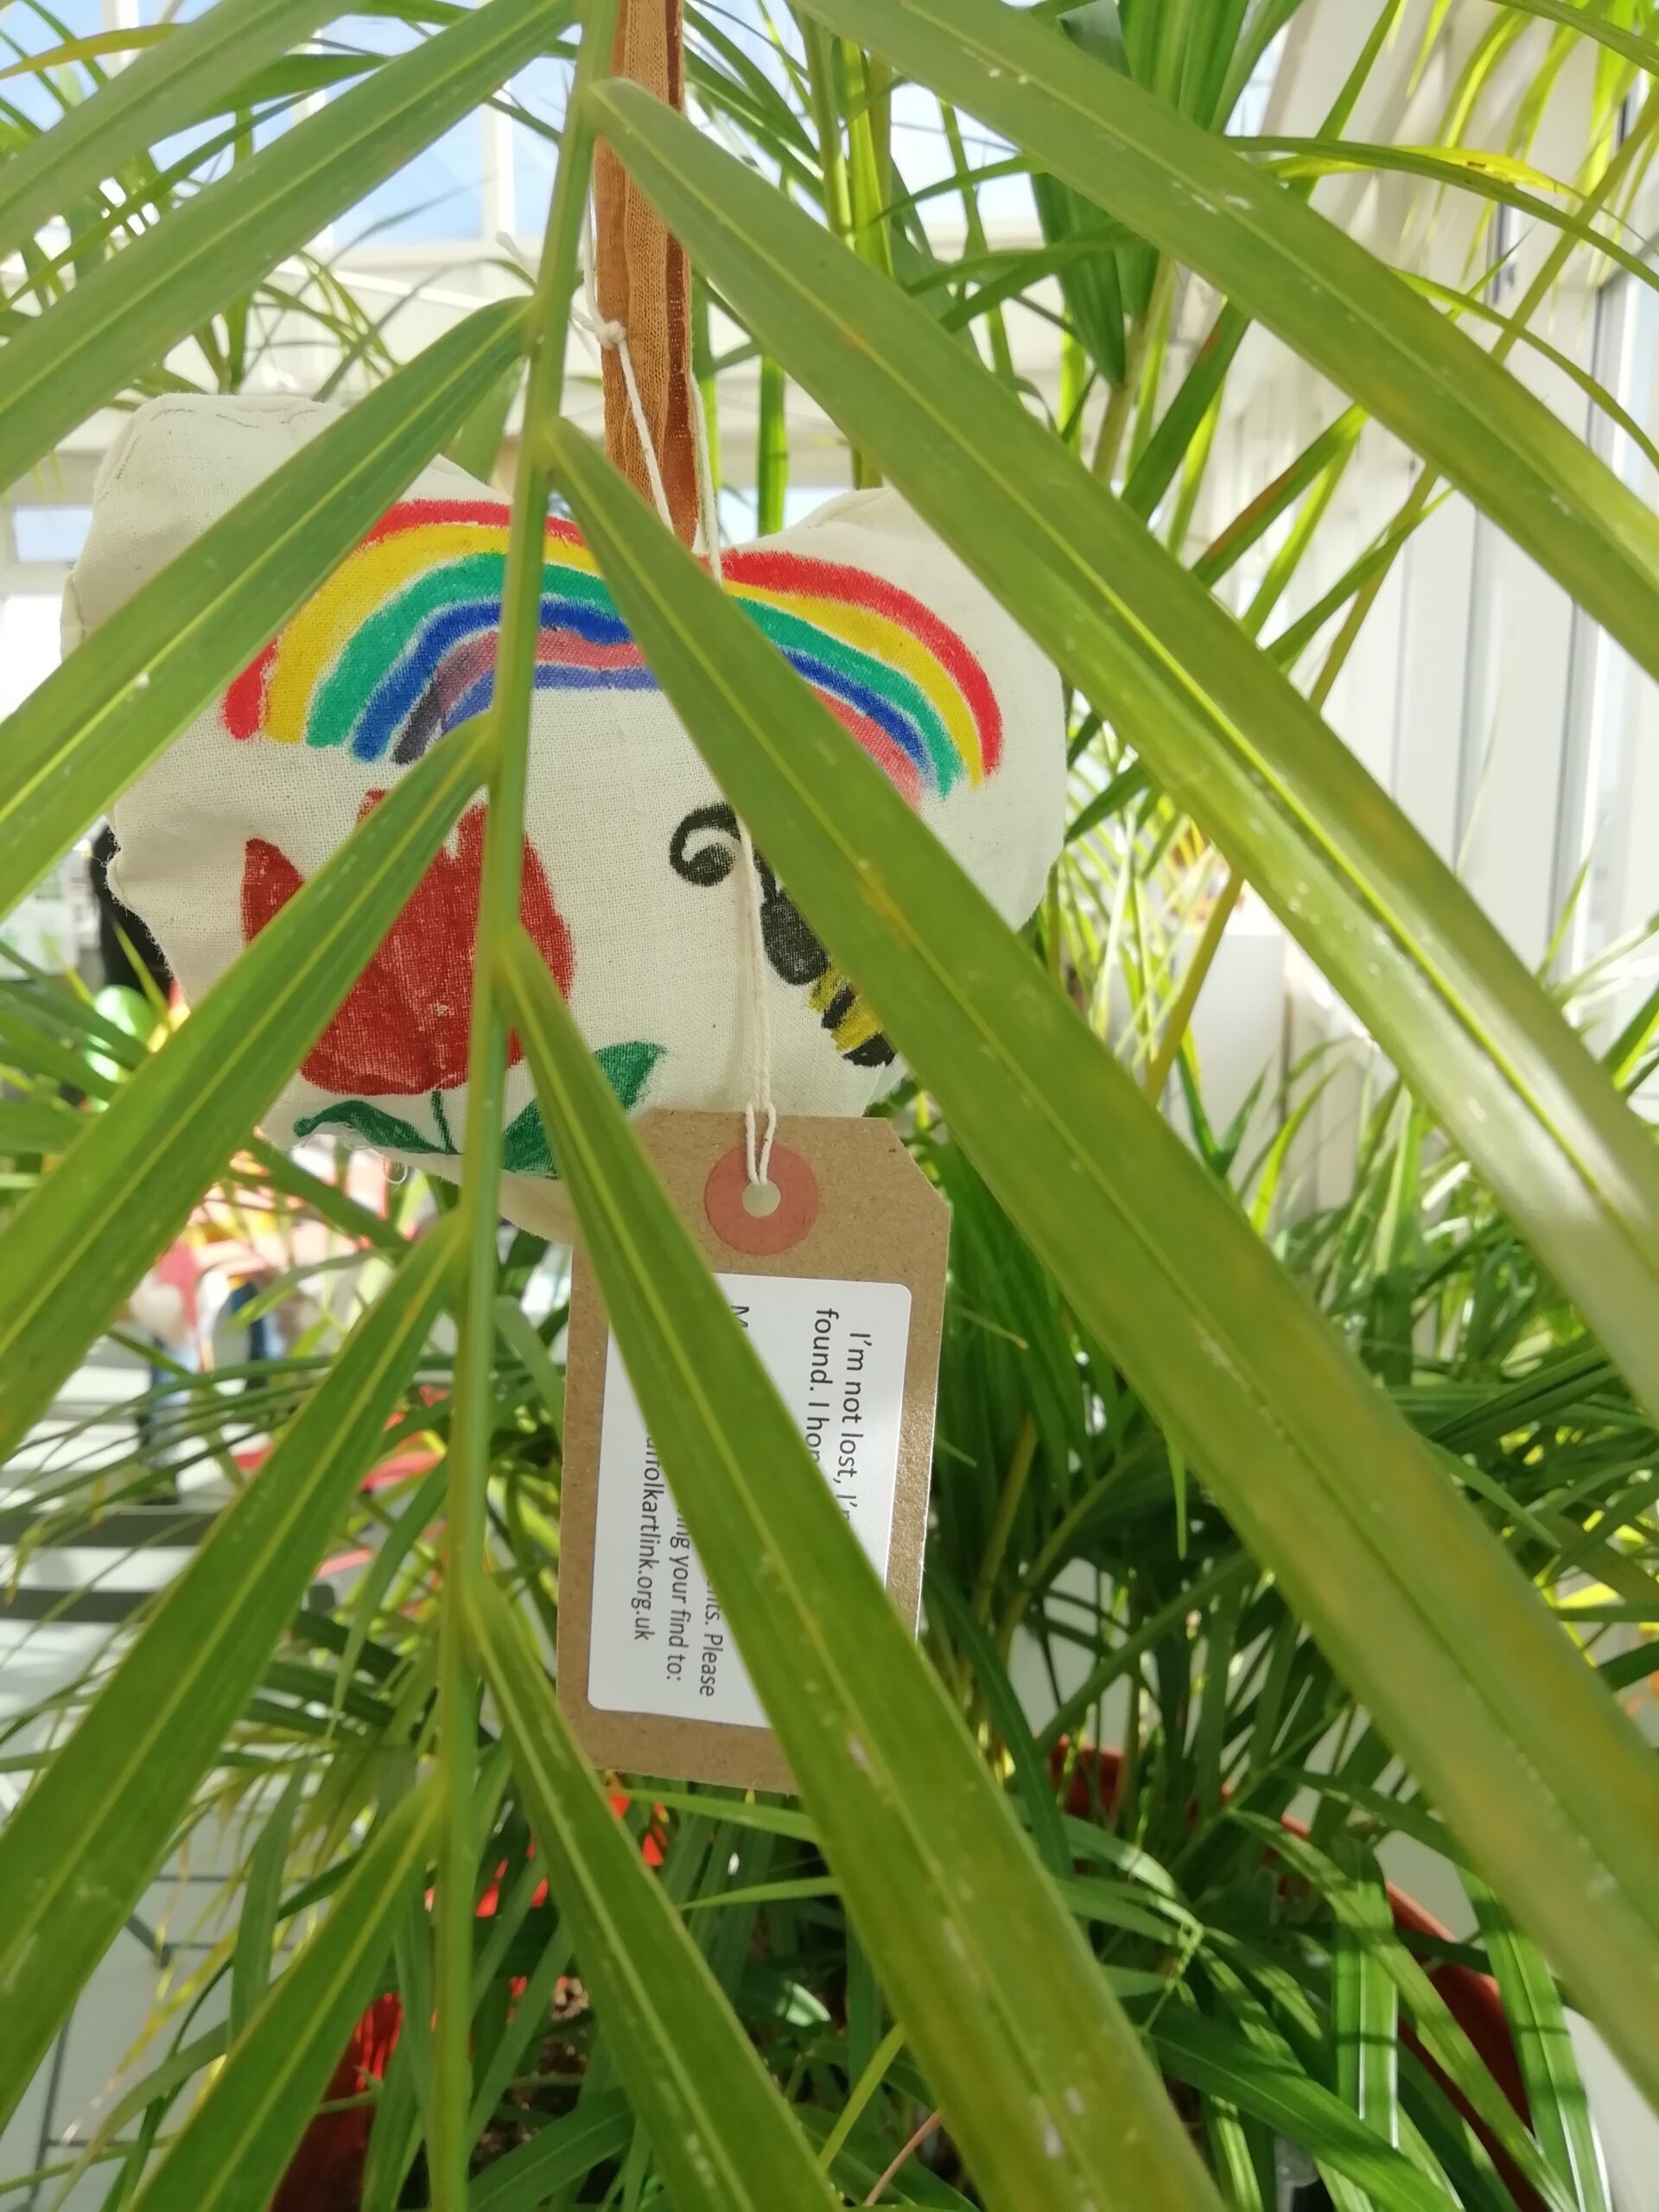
(633, 886)
(708, 1002)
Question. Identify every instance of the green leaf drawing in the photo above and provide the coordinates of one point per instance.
(627, 1068)
(524, 1148)
(373, 1123)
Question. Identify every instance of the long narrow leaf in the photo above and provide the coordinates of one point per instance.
(98, 721)
(173, 84)
(1223, 729)
(1364, 2004)
(1441, 2034)
(1426, 1616)
(1222, 2064)
(78, 1244)
(76, 1855)
(1593, 19)
(557, 2157)
(232, 2152)
(64, 362)
(720, 2133)
(1043, 2081)
(256, 1923)
(1561, 2118)
(1346, 312)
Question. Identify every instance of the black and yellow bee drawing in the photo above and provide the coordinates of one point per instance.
(704, 851)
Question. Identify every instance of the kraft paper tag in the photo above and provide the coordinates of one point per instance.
(841, 1291)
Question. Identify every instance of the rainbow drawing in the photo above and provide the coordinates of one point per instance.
(399, 646)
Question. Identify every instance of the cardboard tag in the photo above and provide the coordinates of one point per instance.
(841, 1288)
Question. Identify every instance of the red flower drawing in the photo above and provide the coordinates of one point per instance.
(402, 1028)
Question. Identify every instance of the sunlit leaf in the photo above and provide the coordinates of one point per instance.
(1426, 1617)
(1299, 275)
(234, 2148)
(77, 1245)
(716, 2124)
(123, 316)
(1223, 729)
(76, 1856)
(1016, 2028)
(188, 66)
(98, 721)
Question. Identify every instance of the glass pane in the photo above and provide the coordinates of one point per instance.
(438, 195)
(541, 90)
(28, 645)
(50, 533)
(1612, 697)
(921, 156)
(737, 507)
(42, 929)
(26, 34)
(1251, 113)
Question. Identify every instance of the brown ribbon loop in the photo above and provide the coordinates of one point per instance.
(643, 283)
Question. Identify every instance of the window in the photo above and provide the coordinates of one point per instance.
(54, 534)
(28, 645)
(541, 91)
(436, 198)
(42, 928)
(27, 34)
(1250, 115)
(1612, 709)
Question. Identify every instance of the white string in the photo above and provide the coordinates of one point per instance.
(612, 336)
(761, 1099)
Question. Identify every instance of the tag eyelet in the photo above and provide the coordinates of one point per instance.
(732, 1204)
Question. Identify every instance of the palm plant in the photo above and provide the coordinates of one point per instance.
(1336, 1475)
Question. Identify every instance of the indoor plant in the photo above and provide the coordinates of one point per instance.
(1413, 1607)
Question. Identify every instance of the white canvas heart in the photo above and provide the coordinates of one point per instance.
(632, 889)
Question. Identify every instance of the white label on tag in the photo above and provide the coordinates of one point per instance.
(659, 1642)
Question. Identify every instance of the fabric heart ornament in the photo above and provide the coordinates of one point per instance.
(632, 887)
